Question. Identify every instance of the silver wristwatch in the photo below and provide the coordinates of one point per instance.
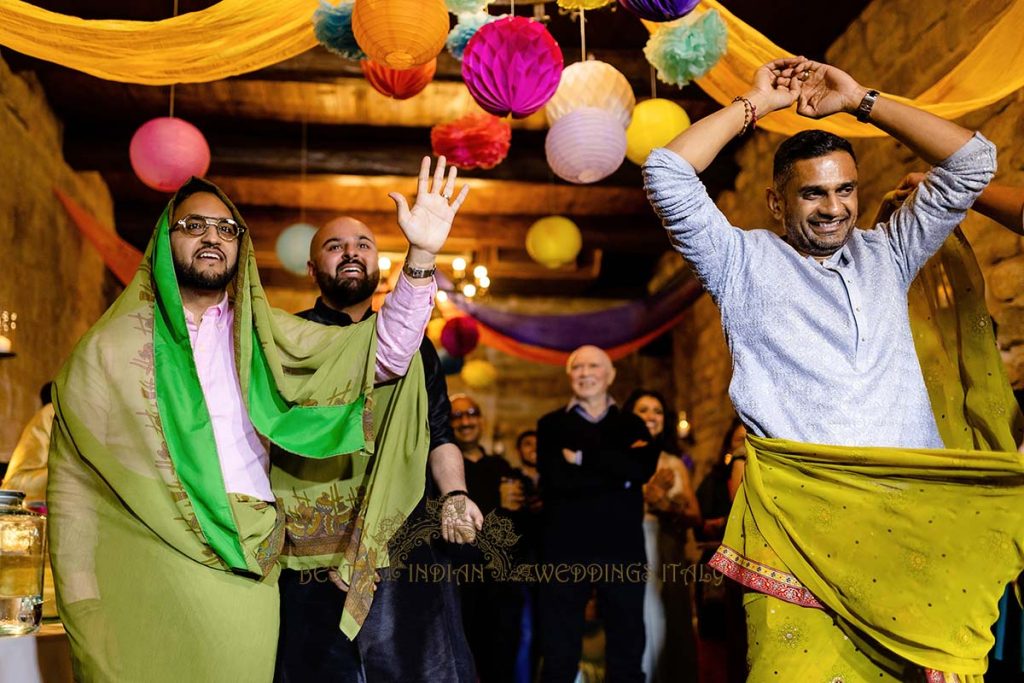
(863, 112)
(418, 273)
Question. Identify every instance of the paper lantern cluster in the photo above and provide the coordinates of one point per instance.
(687, 50)
(165, 152)
(553, 241)
(460, 336)
(473, 141)
(586, 145)
(655, 123)
(400, 33)
(292, 247)
(512, 66)
(332, 26)
(466, 27)
(400, 84)
(659, 10)
(479, 374)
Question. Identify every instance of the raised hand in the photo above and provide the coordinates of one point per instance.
(774, 88)
(823, 90)
(428, 223)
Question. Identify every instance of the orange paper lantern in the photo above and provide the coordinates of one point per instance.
(400, 33)
(400, 84)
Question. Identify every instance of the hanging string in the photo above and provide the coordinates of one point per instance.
(513, 3)
(654, 83)
(171, 108)
(303, 161)
(583, 35)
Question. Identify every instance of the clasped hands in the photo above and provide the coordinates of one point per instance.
(818, 89)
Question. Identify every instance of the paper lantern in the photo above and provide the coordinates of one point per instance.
(434, 328)
(512, 66)
(292, 247)
(585, 145)
(553, 241)
(583, 4)
(449, 364)
(655, 123)
(400, 33)
(660, 10)
(332, 27)
(462, 6)
(686, 51)
(592, 84)
(401, 84)
(479, 374)
(165, 152)
(473, 141)
(467, 26)
(460, 336)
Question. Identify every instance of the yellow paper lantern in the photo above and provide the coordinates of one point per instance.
(553, 241)
(592, 83)
(479, 374)
(583, 4)
(434, 328)
(400, 33)
(655, 123)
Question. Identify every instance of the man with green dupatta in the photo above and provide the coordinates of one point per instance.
(880, 516)
(165, 533)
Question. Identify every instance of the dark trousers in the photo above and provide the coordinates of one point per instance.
(562, 607)
(492, 613)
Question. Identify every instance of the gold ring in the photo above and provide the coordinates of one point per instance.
(805, 75)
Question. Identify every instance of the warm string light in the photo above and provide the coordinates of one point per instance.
(470, 281)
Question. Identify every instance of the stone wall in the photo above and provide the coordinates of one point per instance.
(898, 46)
(55, 283)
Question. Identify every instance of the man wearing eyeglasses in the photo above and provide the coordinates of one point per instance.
(166, 521)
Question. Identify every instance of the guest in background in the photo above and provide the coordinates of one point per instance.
(670, 653)
(27, 470)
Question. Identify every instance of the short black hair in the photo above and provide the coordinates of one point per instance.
(522, 436)
(807, 144)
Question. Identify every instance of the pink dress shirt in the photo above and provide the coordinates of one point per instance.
(244, 462)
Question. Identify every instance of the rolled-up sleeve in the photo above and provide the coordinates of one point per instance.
(401, 321)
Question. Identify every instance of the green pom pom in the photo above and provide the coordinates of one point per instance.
(685, 50)
(332, 26)
(469, 24)
(461, 6)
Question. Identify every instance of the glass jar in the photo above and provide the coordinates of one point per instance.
(22, 548)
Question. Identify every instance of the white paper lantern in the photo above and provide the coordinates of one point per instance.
(585, 145)
(592, 84)
(293, 247)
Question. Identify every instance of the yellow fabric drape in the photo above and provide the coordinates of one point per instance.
(990, 72)
(230, 38)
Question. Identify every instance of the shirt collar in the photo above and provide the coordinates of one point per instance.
(218, 312)
(335, 317)
(575, 405)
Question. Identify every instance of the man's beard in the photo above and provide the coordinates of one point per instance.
(191, 277)
(345, 292)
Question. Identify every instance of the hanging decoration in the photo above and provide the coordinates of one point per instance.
(583, 4)
(655, 123)
(479, 374)
(660, 10)
(400, 33)
(687, 50)
(460, 336)
(434, 328)
(400, 84)
(553, 241)
(466, 27)
(165, 152)
(463, 6)
(585, 145)
(512, 66)
(332, 27)
(473, 141)
(292, 247)
(592, 83)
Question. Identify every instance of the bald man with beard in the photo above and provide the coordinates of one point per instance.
(414, 630)
(593, 461)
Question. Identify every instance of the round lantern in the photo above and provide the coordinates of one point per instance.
(293, 247)
(585, 145)
(512, 66)
(400, 33)
(553, 241)
(474, 141)
(166, 152)
(583, 4)
(460, 336)
(449, 364)
(399, 84)
(479, 374)
(655, 123)
(434, 328)
(592, 84)
(660, 10)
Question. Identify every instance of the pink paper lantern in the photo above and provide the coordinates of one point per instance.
(585, 145)
(512, 66)
(460, 336)
(165, 152)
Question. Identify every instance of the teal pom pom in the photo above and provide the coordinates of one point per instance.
(332, 26)
(460, 6)
(466, 28)
(687, 49)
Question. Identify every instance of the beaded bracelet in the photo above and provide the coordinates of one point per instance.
(749, 114)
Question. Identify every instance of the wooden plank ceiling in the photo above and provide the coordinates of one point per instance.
(361, 145)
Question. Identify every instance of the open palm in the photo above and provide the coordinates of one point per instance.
(826, 90)
(428, 223)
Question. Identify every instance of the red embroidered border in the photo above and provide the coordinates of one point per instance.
(933, 676)
(798, 595)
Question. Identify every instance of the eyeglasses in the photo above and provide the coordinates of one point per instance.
(196, 226)
(472, 412)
